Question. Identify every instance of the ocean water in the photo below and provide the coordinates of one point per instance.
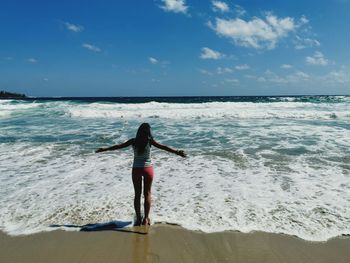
(275, 164)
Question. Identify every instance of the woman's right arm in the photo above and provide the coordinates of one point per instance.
(167, 148)
(115, 147)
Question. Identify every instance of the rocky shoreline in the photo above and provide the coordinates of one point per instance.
(11, 95)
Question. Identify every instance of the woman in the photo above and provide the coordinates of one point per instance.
(142, 167)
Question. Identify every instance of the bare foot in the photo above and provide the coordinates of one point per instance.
(146, 221)
(137, 222)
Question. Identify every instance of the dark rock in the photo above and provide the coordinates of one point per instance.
(11, 95)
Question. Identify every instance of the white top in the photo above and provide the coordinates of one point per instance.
(143, 159)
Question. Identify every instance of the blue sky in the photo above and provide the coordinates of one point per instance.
(175, 47)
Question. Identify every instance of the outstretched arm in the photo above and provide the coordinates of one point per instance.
(115, 147)
(168, 149)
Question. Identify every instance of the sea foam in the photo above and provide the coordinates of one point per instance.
(279, 167)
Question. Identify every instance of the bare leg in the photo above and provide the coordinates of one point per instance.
(137, 181)
(147, 184)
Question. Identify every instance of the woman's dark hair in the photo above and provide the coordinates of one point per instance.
(143, 136)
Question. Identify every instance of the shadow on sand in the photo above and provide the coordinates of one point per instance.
(109, 226)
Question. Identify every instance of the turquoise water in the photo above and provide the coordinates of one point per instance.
(276, 164)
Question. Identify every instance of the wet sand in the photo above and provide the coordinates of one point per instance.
(165, 243)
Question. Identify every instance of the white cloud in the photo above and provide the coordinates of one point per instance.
(304, 20)
(91, 47)
(176, 6)
(208, 53)
(298, 76)
(286, 66)
(301, 43)
(8, 58)
(242, 67)
(249, 76)
(45, 79)
(272, 77)
(74, 28)
(220, 6)
(240, 11)
(317, 59)
(153, 60)
(340, 76)
(232, 81)
(205, 72)
(224, 70)
(261, 79)
(256, 33)
(32, 60)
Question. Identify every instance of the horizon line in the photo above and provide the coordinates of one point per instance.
(177, 96)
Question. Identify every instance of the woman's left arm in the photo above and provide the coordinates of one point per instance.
(115, 147)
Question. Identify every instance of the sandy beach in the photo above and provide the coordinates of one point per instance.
(164, 243)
